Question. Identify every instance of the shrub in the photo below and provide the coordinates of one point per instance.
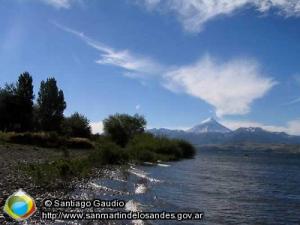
(49, 140)
(108, 153)
(59, 170)
(121, 128)
(187, 149)
(77, 125)
(4, 136)
(150, 148)
(79, 143)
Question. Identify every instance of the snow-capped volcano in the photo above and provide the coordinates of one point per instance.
(209, 125)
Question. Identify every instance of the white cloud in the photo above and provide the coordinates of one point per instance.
(194, 13)
(292, 127)
(64, 4)
(230, 87)
(97, 127)
(126, 60)
(183, 128)
(296, 78)
(135, 65)
(294, 101)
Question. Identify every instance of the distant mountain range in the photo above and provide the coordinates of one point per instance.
(212, 132)
(209, 125)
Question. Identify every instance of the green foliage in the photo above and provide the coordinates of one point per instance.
(147, 147)
(47, 140)
(9, 111)
(142, 148)
(187, 149)
(24, 92)
(51, 105)
(79, 143)
(123, 127)
(4, 137)
(57, 172)
(16, 103)
(77, 125)
(124, 136)
(108, 153)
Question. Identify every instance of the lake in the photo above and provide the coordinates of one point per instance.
(230, 187)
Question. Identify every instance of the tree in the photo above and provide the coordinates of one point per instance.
(77, 125)
(123, 127)
(25, 96)
(51, 105)
(8, 108)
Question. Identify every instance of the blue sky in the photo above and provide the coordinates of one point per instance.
(175, 61)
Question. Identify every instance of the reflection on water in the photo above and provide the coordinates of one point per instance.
(230, 187)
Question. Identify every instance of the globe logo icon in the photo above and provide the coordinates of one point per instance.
(20, 206)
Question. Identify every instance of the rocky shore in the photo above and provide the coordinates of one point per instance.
(13, 178)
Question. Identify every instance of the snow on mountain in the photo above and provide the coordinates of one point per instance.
(209, 125)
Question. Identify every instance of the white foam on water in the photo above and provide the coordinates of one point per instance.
(156, 164)
(142, 174)
(94, 185)
(149, 163)
(137, 222)
(163, 165)
(140, 189)
(102, 187)
(133, 206)
(118, 179)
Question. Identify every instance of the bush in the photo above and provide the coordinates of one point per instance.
(60, 170)
(48, 140)
(4, 136)
(142, 148)
(77, 125)
(108, 153)
(146, 147)
(187, 149)
(121, 128)
(79, 143)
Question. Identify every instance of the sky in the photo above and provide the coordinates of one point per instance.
(176, 62)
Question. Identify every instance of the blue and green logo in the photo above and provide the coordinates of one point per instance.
(20, 206)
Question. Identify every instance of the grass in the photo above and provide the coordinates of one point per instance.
(46, 140)
(142, 148)
(56, 173)
(146, 147)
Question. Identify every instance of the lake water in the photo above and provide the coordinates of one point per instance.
(230, 187)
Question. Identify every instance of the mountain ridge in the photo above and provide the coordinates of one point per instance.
(212, 132)
(209, 125)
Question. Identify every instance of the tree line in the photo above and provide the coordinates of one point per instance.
(19, 112)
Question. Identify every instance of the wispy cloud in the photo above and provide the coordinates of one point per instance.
(135, 65)
(193, 14)
(297, 100)
(295, 78)
(291, 127)
(230, 87)
(61, 4)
